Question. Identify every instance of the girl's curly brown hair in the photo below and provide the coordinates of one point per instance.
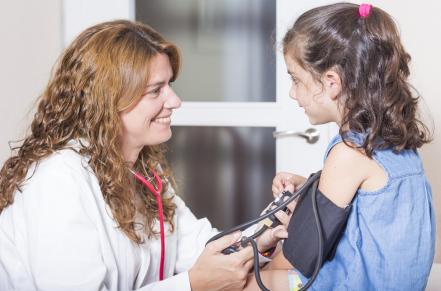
(103, 72)
(371, 61)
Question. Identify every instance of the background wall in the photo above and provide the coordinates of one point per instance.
(31, 41)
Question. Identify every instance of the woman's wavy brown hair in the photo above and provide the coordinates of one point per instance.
(103, 72)
(368, 55)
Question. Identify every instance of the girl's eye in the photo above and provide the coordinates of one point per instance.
(294, 80)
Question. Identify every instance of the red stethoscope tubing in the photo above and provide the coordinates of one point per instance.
(157, 193)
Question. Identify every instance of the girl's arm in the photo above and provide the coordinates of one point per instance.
(345, 169)
(273, 280)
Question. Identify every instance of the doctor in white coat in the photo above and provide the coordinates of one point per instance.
(86, 201)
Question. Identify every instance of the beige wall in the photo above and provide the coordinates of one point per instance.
(30, 43)
(31, 40)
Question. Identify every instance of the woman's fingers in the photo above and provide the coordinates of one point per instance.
(280, 232)
(291, 206)
(282, 217)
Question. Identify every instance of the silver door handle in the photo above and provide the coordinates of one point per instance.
(311, 135)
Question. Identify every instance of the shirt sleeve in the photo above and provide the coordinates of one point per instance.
(63, 245)
(192, 234)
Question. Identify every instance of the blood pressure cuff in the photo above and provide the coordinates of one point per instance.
(301, 246)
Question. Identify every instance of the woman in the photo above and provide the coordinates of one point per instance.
(76, 211)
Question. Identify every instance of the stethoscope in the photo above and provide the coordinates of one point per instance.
(311, 182)
(157, 192)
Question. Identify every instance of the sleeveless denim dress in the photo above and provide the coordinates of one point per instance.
(389, 240)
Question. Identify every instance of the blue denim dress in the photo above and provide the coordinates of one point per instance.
(389, 240)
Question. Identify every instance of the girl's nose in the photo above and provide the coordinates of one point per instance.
(292, 93)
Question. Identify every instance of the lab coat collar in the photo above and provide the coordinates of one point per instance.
(78, 143)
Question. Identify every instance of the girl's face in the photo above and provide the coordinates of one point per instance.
(319, 100)
(148, 122)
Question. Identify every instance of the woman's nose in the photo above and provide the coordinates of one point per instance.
(173, 101)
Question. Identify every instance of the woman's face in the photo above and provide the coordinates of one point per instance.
(148, 122)
(311, 95)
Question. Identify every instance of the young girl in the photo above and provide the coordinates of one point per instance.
(348, 66)
(76, 212)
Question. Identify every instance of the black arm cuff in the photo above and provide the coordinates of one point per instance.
(301, 246)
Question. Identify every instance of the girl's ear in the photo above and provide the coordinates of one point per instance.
(332, 83)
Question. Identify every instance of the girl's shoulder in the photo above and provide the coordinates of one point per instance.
(351, 138)
(385, 163)
(347, 157)
(348, 169)
(345, 169)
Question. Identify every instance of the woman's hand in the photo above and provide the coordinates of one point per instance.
(215, 271)
(270, 237)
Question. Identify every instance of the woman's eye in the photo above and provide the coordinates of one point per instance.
(156, 91)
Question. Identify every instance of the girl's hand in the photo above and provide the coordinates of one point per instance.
(284, 181)
(281, 182)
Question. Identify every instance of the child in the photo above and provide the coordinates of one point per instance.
(348, 66)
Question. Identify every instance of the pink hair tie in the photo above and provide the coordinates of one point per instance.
(364, 10)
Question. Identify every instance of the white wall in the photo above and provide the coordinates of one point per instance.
(80, 14)
(30, 43)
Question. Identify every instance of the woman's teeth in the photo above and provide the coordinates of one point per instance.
(163, 120)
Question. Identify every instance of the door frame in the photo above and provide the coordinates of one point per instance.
(292, 153)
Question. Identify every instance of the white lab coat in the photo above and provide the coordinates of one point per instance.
(59, 235)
